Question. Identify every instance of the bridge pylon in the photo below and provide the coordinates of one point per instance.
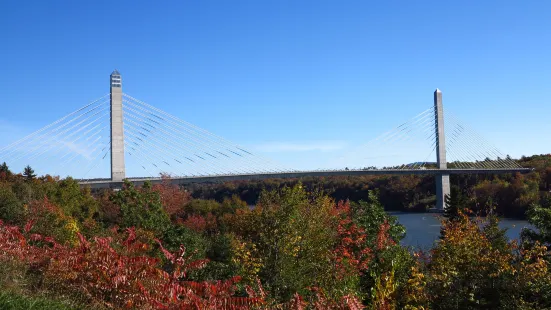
(118, 172)
(442, 180)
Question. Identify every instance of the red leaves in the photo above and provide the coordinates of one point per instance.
(84, 244)
(166, 253)
(38, 207)
(97, 270)
(352, 303)
(36, 237)
(200, 223)
(29, 226)
(131, 236)
(383, 238)
(297, 302)
(196, 223)
(352, 250)
(173, 198)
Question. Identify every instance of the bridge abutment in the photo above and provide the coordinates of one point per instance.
(442, 180)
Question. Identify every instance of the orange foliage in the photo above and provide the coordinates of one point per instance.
(196, 223)
(173, 198)
(201, 224)
(383, 238)
(351, 250)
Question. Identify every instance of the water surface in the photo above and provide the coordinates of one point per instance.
(423, 229)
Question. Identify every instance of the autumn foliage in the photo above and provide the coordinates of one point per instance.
(352, 250)
(157, 247)
(118, 278)
(121, 259)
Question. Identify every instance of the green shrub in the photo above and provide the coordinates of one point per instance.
(11, 208)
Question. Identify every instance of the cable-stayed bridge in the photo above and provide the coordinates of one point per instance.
(118, 131)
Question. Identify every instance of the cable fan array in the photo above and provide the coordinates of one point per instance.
(163, 144)
(71, 145)
(467, 149)
(395, 149)
(158, 143)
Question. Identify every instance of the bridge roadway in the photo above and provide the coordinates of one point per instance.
(106, 183)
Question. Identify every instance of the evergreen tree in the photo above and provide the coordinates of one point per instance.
(540, 217)
(28, 173)
(497, 236)
(4, 168)
(454, 202)
(4, 171)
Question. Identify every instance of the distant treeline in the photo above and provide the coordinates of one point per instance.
(510, 194)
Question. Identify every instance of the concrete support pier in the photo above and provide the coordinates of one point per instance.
(117, 131)
(442, 180)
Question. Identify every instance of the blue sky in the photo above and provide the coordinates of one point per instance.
(302, 82)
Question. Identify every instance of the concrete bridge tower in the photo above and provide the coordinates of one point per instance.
(117, 131)
(442, 180)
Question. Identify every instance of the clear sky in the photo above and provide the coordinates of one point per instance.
(302, 82)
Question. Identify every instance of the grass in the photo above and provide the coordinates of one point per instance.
(13, 301)
(19, 289)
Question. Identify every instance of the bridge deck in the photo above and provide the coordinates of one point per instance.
(105, 183)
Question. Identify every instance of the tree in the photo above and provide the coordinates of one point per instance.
(287, 241)
(540, 217)
(390, 264)
(141, 208)
(474, 267)
(28, 173)
(11, 208)
(454, 202)
(173, 199)
(48, 218)
(4, 168)
(4, 172)
(74, 201)
(495, 235)
(370, 215)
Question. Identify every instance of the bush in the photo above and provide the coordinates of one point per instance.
(195, 243)
(116, 274)
(11, 208)
(471, 268)
(74, 201)
(141, 208)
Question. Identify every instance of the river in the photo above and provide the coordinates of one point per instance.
(423, 229)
